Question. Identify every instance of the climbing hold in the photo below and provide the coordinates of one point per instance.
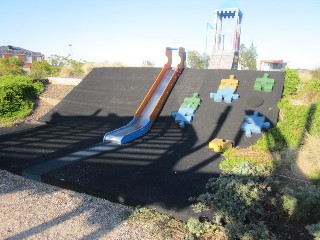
(187, 110)
(254, 124)
(264, 83)
(220, 145)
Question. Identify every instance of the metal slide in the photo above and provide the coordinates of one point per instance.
(151, 105)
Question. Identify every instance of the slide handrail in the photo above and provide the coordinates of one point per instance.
(164, 96)
(167, 89)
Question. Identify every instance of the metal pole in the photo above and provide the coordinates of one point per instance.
(205, 51)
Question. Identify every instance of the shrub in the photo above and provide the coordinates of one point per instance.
(241, 196)
(17, 94)
(43, 69)
(302, 203)
(314, 230)
(291, 127)
(206, 230)
(11, 66)
(291, 81)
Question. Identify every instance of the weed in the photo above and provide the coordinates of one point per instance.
(314, 230)
(291, 82)
(302, 203)
(261, 160)
(160, 223)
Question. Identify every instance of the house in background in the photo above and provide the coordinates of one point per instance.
(26, 56)
(272, 65)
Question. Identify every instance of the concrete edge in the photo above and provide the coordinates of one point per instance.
(64, 81)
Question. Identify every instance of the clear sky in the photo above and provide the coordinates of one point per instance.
(132, 31)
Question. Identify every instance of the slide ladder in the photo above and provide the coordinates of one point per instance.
(151, 105)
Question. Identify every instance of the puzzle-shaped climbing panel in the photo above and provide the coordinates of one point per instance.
(226, 91)
(254, 124)
(220, 145)
(231, 82)
(192, 102)
(264, 83)
(187, 110)
(226, 95)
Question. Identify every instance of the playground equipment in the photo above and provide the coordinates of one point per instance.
(226, 91)
(220, 145)
(254, 124)
(264, 84)
(152, 104)
(187, 110)
(224, 56)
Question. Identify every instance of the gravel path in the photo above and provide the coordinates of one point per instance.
(34, 210)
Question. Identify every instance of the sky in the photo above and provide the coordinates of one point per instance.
(131, 32)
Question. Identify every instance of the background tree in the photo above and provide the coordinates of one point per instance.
(12, 66)
(43, 69)
(248, 57)
(148, 63)
(196, 60)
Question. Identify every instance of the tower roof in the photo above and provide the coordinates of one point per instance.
(229, 8)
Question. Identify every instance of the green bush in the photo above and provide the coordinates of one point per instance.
(17, 95)
(314, 230)
(313, 85)
(198, 229)
(291, 81)
(12, 66)
(241, 197)
(302, 203)
(41, 70)
(290, 130)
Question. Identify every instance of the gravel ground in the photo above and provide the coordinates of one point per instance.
(34, 210)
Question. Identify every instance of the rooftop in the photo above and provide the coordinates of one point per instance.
(17, 50)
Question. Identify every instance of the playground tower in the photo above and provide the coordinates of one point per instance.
(226, 44)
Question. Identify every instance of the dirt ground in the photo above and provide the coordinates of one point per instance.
(49, 98)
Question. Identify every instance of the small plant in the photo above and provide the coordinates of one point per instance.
(160, 223)
(205, 230)
(302, 203)
(314, 230)
(261, 161)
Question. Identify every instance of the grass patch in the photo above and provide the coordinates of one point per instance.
(258, 158)
(308, 161)
(161, 224)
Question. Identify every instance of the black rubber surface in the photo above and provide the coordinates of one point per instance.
(162, 169)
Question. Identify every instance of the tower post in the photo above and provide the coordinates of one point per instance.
(222, 57)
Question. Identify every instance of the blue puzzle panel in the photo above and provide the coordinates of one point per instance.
(254, 124)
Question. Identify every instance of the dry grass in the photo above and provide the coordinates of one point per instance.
(305, 75)
(308, 161)
(66, 71)
(110, 64)
(305, 99)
